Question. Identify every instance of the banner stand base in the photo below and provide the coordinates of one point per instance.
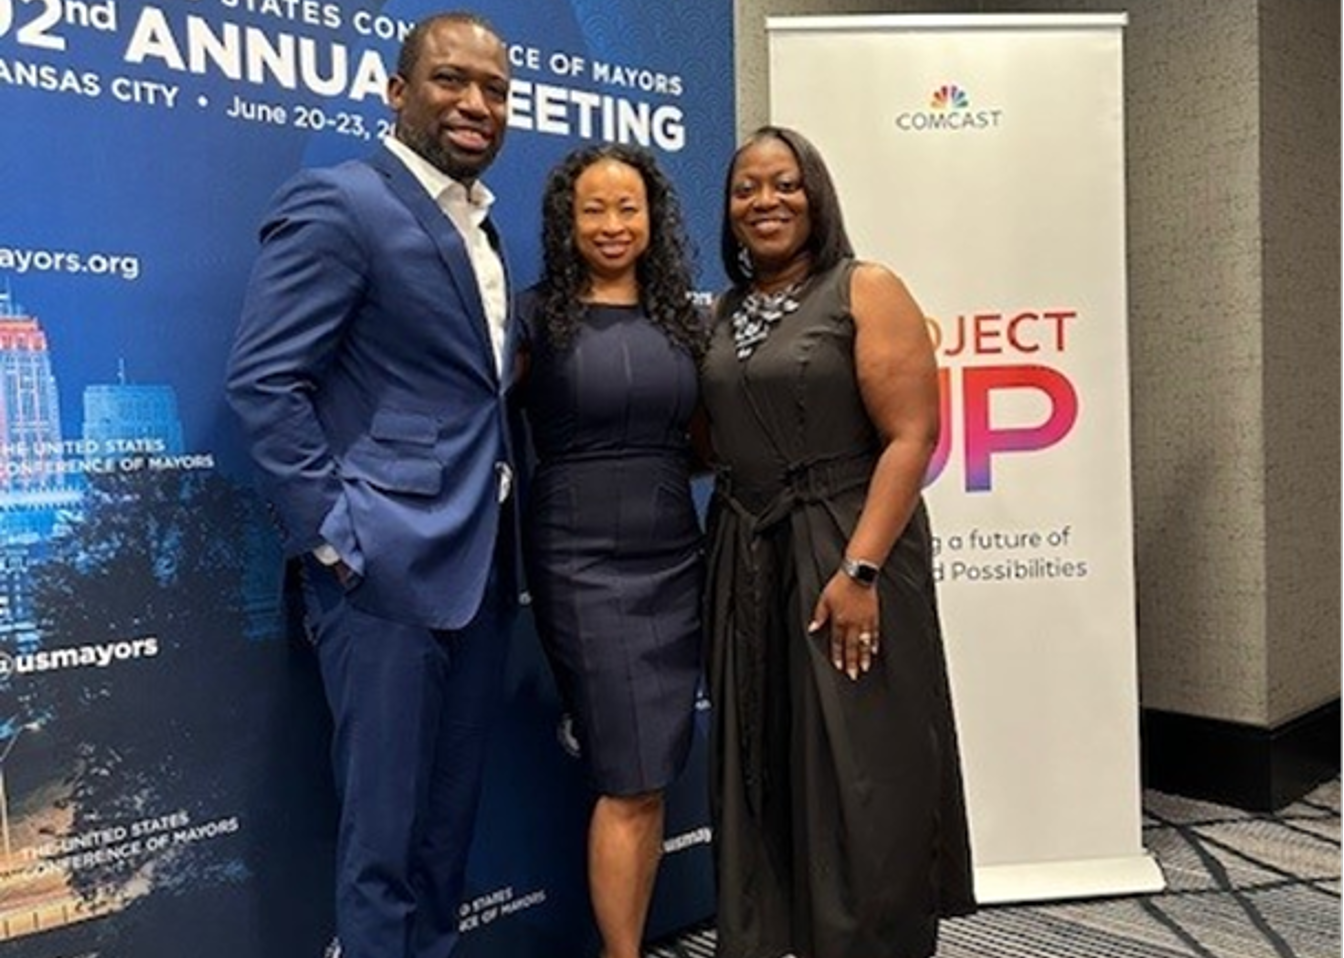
(1089, 878)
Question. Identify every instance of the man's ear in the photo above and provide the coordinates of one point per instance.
(396, 90)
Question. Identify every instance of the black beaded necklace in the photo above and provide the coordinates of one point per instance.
(759, 313)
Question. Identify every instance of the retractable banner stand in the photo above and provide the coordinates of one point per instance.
(164, 786)
(981, 158)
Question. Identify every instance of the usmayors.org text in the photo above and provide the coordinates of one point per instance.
(22, 261)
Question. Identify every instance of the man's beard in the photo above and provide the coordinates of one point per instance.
(441, 158)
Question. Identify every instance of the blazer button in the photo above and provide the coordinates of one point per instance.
(505, 473)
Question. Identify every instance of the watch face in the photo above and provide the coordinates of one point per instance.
(864, 573)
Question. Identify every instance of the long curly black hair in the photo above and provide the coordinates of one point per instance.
(663, 272)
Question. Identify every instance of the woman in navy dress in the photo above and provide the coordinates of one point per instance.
(613, 543)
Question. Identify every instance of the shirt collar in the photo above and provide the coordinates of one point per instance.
(441, 187)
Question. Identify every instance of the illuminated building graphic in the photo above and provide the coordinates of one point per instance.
(130, 417)
(31, 454)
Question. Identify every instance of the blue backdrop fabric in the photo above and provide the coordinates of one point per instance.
(163, 766)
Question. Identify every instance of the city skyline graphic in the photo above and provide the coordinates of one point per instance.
(131, 435)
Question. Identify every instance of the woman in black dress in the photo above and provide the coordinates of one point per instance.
(613, 544)
(840, 827)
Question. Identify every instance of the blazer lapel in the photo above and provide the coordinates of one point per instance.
(510, 319)
(440, 229)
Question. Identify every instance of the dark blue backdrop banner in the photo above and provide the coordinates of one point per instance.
(163, 776)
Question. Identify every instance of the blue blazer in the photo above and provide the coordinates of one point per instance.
(363, 375)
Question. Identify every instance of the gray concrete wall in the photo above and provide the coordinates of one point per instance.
(1299, 178)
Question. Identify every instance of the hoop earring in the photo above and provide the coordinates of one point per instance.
(744, 261)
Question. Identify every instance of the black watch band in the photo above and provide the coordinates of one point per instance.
(862, 572)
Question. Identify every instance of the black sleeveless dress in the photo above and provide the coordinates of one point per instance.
(839, 818)
(612, 543)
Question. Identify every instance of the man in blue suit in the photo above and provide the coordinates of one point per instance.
(370, 372)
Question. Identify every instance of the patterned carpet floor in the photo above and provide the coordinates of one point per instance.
(1239, 885)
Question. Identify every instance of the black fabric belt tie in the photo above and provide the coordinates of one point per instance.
(755, 575)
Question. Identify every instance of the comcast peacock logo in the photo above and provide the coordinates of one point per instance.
(949, 108)
(949, 96)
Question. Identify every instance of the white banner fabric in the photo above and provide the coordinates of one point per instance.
(981, 158)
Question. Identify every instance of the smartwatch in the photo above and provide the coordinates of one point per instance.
(860, 570)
